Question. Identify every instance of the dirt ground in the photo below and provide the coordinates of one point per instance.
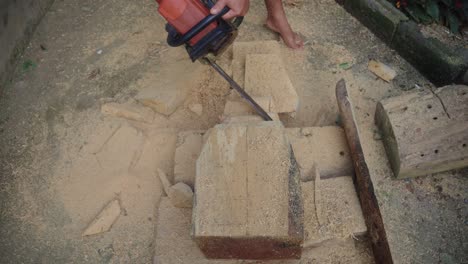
(62, 161)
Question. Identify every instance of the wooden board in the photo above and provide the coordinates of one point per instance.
(364, 184)
(322, 148)
(425, 132)
(247, 194)
(331, 211)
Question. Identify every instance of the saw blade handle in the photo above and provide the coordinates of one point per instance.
(174, 39)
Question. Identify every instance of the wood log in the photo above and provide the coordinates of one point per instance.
(425, 132)
(364, 185)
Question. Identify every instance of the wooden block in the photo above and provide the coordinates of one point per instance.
(174, 244)
(247, 194)
(381, 70)
(246, 119)
(266, 102)
(425, 132)
(173, 241)
(331, 211)
(242, 49)
(324, 147)
(236, 108)
(189, 144)
(265, 76)
(241, 112)
(341, 208)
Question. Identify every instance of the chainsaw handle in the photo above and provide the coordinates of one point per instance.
(174, 39)
(236, 22)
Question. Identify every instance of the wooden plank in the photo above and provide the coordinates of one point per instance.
(331, 211)
(322, 148)
(425, 132)
(220, 184)
(247, 194)
(365, 186)
(267, 186)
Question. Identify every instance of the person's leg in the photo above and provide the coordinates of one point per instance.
(278, 22)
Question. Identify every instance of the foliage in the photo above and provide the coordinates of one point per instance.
(451, 13)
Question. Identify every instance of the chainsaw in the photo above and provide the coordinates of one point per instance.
(204, 35)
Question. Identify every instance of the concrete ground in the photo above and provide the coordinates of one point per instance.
(86, 53)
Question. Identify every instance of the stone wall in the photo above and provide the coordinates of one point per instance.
(441, 63)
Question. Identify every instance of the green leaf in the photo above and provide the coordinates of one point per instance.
(345, 65)
(419, 14)
(432, 9)
(454, 23)
(28, 65)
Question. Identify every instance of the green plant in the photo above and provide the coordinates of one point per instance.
(451, 13)
(28, 65)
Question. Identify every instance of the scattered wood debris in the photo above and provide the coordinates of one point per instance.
(104, 220)
(381, 70)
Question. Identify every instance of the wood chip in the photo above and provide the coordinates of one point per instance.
(104, 220)
(381, 70)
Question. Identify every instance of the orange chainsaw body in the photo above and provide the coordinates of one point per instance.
(185, 14)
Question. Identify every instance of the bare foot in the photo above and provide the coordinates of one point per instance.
(290, 38)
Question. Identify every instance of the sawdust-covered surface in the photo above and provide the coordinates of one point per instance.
(61, 161)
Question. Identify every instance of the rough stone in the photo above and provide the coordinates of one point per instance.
(247, 202)
(130, 110)
(379, 15)
(324, 147)
(265, 76)
(189, 144)
(104, 220)
(439, 63)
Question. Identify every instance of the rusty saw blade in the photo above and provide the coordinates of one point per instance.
(240, 90)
